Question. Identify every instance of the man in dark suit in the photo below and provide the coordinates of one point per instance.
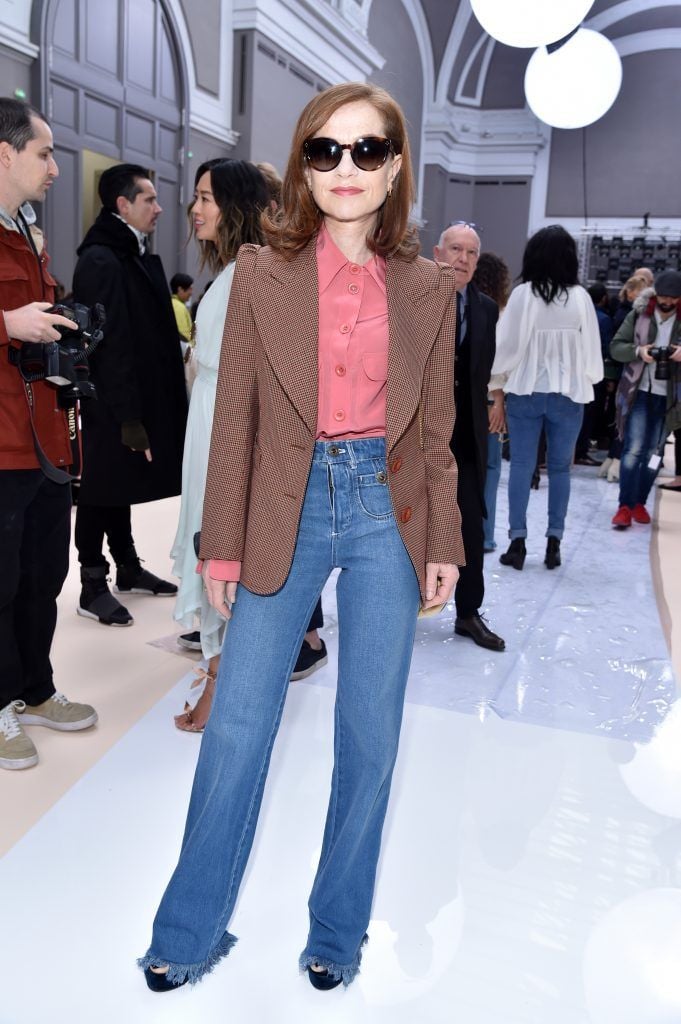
(133, 435)
(475, 346)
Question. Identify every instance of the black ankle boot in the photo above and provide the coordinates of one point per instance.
(131, 578)
(515, 555)
(552, 558)
(97, 601)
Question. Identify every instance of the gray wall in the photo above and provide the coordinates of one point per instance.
(391, 32)
(632, 154)
(270, 90)
(500, 206)
(446, 197)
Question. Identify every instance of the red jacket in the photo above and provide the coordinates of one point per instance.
(23, 281)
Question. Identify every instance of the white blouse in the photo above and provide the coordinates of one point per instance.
(554, 347)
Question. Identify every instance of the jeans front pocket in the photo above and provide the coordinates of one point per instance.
(373, 493)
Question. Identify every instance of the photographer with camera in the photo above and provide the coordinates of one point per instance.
(133, 435)
(647, 404)
(38, 444)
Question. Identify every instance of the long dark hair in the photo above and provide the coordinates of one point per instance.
(240, 190)
(493, 277)
(550, 263)
(290, 228)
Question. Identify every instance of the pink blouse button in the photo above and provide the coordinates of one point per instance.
(340, 415)
(354, 269)
(353, 288)
(344, 328)
(340, 371)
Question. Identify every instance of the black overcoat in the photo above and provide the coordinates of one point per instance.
(137, 370)
(471, 431)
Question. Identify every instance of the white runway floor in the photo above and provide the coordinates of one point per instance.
(532, 854)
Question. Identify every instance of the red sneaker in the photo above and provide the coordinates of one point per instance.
(622, 517)
(639, 514)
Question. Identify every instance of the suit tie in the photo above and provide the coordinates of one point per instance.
(460, 319)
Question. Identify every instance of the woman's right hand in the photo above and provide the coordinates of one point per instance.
(221, 595)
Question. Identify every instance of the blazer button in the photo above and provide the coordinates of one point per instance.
(396, 464)
(405, 515)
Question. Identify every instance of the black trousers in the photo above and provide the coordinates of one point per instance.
(470, 588)
(317, 620)
(35, 528)
(93, 522)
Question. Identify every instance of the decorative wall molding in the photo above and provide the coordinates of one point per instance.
(475, 100)
(470, 141)
(208, 113)
(315, 32)
(456, 35)
(15, 27)
(620, 11)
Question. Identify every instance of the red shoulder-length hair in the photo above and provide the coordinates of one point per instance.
(289, 228)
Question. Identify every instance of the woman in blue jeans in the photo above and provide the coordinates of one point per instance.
(330, 450)
(549, 358)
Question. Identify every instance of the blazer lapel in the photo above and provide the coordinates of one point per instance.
(288, 322)
(415, 312)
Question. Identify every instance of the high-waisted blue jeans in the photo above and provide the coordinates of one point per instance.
(347, 523)
(561, 419)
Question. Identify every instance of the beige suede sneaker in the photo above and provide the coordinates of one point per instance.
(16, 749)
(59, 713)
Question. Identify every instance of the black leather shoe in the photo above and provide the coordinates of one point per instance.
(322, 980)
(516, 553)
(552, 558)
(475, 627)
(160, 983)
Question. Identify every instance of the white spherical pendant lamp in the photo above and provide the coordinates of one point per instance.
(577, 83)
(530, 23)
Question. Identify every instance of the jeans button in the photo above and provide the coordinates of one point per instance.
(382, 476)
(334, 449)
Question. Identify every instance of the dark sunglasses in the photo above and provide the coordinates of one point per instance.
(368, 153)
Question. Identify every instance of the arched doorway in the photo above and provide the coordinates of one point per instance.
(113, 87)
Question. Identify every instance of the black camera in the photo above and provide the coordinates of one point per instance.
(64, 363)
(663, 368)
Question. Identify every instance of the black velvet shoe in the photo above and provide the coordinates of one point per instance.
(322, 980)
(515, 555)
(160, 983)
(552, 559)
(476, 628)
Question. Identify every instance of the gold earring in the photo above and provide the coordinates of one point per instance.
(390, 189)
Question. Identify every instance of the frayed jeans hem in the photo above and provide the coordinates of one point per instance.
(179, 973)
(345, 972)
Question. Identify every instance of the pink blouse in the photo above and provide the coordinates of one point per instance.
(353, 344)
(353, 354)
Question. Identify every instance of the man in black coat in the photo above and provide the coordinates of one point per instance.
(133, 434)
(477, 316)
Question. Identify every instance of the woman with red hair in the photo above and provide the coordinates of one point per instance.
(330, 450)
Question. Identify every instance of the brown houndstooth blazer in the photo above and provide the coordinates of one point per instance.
(266, 414)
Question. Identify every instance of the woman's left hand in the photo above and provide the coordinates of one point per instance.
(441, 579)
